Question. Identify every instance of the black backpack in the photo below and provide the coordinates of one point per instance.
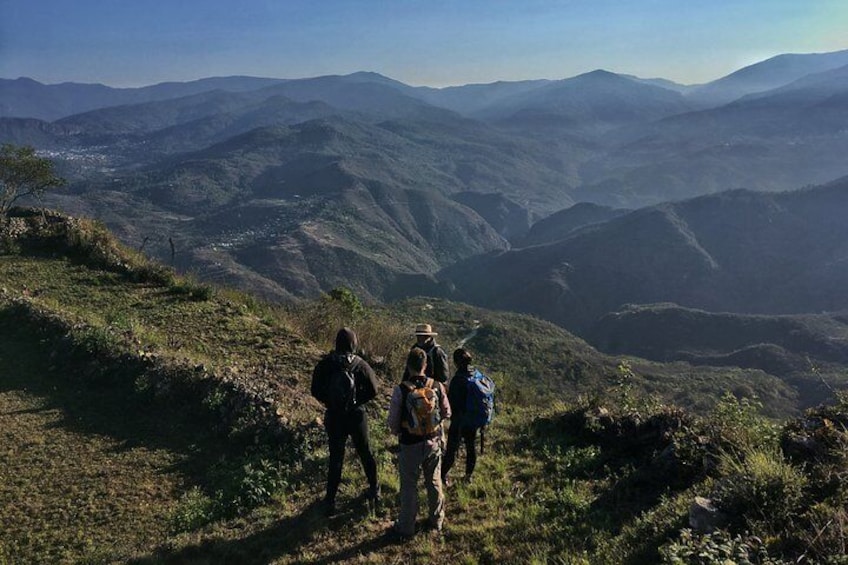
(341, 384)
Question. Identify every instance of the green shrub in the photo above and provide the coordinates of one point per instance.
(759, 489)
(247, 482)
(716, 548)
(194, 509)
(347, 299)
(97, 342)
(192, 290)
(826, 537)
(737, 424)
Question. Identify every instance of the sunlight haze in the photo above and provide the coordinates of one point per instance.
(435, 43)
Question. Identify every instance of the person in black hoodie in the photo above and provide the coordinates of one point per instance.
(346, 416)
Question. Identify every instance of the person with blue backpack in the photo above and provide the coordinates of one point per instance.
(472, 396)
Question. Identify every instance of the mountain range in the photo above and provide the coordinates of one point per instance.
(568, 199)
(736, 251)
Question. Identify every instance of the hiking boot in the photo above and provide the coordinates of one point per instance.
(373, 499)
(329, 508)
(434, 526)
(375, 504)
(395, 535)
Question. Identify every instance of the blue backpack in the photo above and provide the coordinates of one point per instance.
(479, 402)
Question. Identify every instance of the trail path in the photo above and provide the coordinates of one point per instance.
(471, 335)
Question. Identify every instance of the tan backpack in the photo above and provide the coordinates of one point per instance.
(422, 408)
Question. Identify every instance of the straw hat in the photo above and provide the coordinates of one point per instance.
(424, 329)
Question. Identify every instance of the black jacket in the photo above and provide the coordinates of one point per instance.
(458, 393)
(437, 363)
(365, 381)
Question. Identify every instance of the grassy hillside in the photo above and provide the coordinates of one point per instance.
(151, 419)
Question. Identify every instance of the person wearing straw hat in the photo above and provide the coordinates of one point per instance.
(437, 360)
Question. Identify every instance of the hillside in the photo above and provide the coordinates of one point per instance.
(592, 102)
(347, 191)
(780, 139)
(203, 444)
(27, 98)
(774, 72)
(737, 251)
(560, 225)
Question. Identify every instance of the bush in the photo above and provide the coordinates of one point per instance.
(349, 302)
(827, 537)
(193, 510)
(736, 424)
(693, 549)
(191, 290)
(243, 483)
(760, 490)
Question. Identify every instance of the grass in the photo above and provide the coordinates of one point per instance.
(79, 477)
(133, 414)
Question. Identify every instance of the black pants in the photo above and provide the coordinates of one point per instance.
(339, 426)
(454, 434)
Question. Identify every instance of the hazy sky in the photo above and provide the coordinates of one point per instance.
(420, 42)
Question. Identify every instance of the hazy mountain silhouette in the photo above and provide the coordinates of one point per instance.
(737, 251)
(594, 101)
(302, 157)
(778, 140)
(766, 75)
(780, 345)
(470, 99)
(560, 225)
(27, 98)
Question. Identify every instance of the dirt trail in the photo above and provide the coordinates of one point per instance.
(471, 335)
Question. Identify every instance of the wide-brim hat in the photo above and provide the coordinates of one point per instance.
(424, 329)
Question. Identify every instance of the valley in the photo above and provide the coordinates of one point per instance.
(653, 273)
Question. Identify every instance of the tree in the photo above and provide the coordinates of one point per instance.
(23, 173)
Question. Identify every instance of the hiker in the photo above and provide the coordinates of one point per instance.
(437, 359)
(343, 382)
(418, 407)
(471, 396)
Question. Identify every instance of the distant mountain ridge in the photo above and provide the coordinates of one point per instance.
(778, 344)
(767, 75)
(27, 98)
(599, 99)
(256, 178)
(736, 251)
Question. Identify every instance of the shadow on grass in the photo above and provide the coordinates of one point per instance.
(96, 395)
(284, 537)
(110, 407)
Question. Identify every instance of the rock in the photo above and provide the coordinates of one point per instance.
(800, 446)
(704, 517)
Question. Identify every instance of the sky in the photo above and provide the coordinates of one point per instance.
(125, 43)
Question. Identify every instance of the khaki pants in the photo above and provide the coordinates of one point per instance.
(426, 455)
